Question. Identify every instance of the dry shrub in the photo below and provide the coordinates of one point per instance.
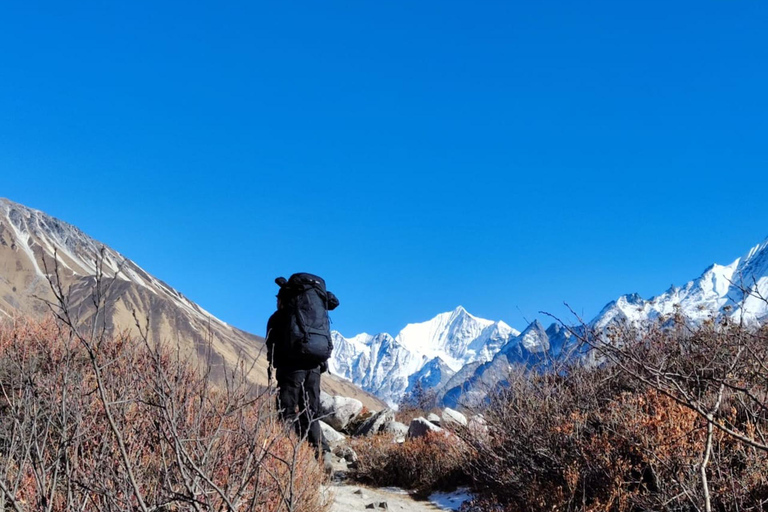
(605, 439)
(420, 401)
(425, 464)
(407, 413)
(162, 437)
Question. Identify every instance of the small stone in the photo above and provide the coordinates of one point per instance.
(346, 453)
(433, 418)
(359, 492)
(378, 505)
(451, 416)
(420, 427)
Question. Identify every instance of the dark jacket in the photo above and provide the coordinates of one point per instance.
(277, 331)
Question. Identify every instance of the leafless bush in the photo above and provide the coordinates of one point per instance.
(674, 419)
(92, 420)
(417, 402)
(426, 464)
(189, 446)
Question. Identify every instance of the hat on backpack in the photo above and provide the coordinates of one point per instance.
(282, 283)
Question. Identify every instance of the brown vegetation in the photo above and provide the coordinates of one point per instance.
(424, 464)
(673, 419)
(110, 423)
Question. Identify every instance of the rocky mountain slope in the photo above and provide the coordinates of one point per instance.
(29, 239)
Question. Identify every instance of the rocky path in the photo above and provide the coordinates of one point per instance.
(357, 498)
(344, 417)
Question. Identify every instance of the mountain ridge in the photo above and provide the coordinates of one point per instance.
(385, 365)
(30, 240)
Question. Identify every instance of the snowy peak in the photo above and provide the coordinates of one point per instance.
(456, 337)
(425, 354)
(533, 340)
(735, 290)
(757, 253)
(432, 376)
(749, 289)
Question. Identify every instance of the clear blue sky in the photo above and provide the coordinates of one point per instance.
(506, 156)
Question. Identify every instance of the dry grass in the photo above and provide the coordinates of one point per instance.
(175, 442)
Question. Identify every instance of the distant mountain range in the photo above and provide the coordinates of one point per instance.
(427, 354)
(455, 355)
(30, 238)
(459, 357)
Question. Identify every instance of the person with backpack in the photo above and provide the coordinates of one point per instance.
(298, 347)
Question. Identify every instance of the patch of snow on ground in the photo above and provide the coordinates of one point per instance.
(450, 500)
(22, 242)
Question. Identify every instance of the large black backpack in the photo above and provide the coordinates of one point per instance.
(307, 302)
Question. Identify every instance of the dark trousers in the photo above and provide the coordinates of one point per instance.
(298, 400)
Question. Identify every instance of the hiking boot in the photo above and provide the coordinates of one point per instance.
(328, 463)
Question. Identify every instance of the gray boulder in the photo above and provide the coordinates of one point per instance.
(333, 437)
(433, 418)
(421, 426)
(326, 403)
(338, 411)
(452, 417)
(398, 430)
(376, 423)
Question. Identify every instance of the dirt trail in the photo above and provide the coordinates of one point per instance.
(355, 498)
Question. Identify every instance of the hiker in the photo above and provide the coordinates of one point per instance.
(298, 347)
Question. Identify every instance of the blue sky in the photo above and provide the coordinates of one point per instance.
(506, 156)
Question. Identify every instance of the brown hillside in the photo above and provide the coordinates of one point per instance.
(28, 241)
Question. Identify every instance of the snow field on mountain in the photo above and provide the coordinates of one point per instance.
(383, 364)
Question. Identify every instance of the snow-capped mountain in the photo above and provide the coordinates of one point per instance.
(461, 357)
(379, 364)
(30, 243)
(456, 337)
(532, 346)
(423, 354)
(734, 290)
